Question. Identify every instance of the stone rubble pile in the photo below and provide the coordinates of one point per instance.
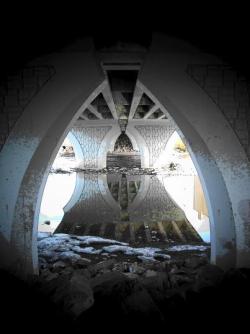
(78, 272)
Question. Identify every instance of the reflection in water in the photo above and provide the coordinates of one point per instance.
(57, 192)
(125, 207)
(162, 207)
(131, 208)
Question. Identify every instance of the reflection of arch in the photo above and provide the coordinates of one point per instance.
(79, 185)
(76, 146)
(104, 189)
(142, 192)
(79, 188)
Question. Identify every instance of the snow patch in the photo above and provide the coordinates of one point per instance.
(87, 240)
(42, 235)
(183, 248)
(69, 255)
(148, 252)
(51, 243)
(86, 250)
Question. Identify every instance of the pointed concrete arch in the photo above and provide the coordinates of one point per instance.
(219, 158)
(79, 182)
(27, 155)
(218, 155)
(109, 140)
(76, 146)
(141, 144)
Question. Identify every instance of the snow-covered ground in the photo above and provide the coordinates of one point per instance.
(64, 246)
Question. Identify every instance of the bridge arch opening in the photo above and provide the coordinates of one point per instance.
(171, 94)
(123, 153)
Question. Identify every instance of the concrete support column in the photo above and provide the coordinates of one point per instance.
(31, 148)
(218, 156)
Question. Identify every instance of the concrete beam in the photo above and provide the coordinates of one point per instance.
(151, 111)
(83, 117)
(162, 230)
(178, 231)
(94, 111)
(138, 92)
(109, 100)
(94, 122)
(161, 117)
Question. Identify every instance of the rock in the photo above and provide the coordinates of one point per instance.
(71, 293)
(58, 266)
(208, 275)
(176, 271)
(156, 284)
(106, 264)
(69, 256)
(179, 280)
(125, 293)
(162, 257)
(146, 259)
(52, 243)
(107, 282)
(83, 272)
(195, 261)
(74, 242)
(123, 267)
(49, 276)
(140, 303)
(64, 247)
(132, 276)
(49, 255)
(237, 276)
(137, 269)
(68, 270)
(81, 263)
(42, 235)
(150, 273)
(42, 263)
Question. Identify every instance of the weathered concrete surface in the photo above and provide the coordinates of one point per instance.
(219, 156)
(220, 159)
(32, 146)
